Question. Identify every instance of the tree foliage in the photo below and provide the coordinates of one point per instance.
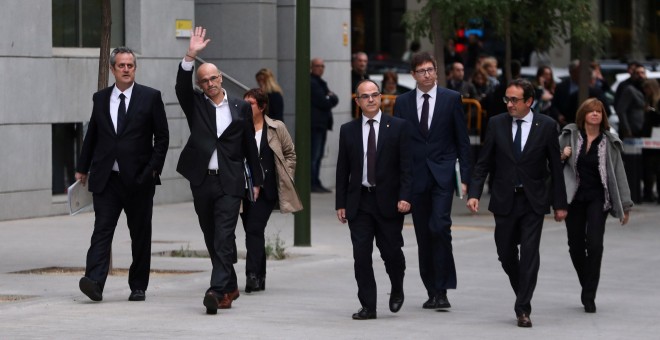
(539, 23)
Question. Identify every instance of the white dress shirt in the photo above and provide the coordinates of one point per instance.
(114, 108)
(433, 92)
(365, 141)
(222, 114)
(525, 127)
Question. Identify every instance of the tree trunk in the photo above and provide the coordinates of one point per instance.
(438, 45)
(104, 54)
(104, 61)
(585, 73)
(507, 52)
(638, 41)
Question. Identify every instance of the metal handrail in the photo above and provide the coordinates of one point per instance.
(471, 106)
(237, 85)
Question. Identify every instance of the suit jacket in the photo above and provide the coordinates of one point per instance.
(393, 166)
(139, 150)
(447, 139)
(234, 144)
(322, 103)
(284, 151)
(539, 162)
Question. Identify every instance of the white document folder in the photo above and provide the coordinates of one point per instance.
(459, 187)
(79, 198)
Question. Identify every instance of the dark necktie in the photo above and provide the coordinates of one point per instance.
(121, 113)
(424, 120)
(371, 154)
(517, 145)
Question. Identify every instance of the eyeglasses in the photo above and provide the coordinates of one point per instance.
(513, 100)
(321, 66)
(430, 71)
(368, 96)
(209, 80)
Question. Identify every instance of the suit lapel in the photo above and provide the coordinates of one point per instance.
(136, 98)
(532, 137)
(412, 109)
(106, 109)
(383, 130)
(356, 130)
(436, 110)
(509, 140)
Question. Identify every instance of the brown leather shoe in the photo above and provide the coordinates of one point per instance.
(228, 298)
(524, 320)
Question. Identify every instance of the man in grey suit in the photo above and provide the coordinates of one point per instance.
(439, 137)
(520, 152)
(373, 193)
(221, 137)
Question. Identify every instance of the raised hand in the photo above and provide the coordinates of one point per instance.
(197, 42)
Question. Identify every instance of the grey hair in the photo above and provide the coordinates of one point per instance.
(121, 49)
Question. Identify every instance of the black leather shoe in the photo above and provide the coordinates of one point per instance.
(524, 320)
(252, 284)
(211, 302)
(589, 306)
(437, 302)
(262, 283)
(137, 295)
(364, 314)
(441, 301)
(90, 288)
(430, 303)
(396, 301)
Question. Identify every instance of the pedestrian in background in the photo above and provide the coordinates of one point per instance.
(596, 185)
(323, 100)
(277, 160)
(651, 157)
(268, 84)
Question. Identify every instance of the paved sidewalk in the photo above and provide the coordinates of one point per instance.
(313, 294)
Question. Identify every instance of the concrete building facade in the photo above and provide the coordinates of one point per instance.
(47, 89)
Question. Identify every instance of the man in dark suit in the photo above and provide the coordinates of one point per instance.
(439, 138)
(373, 193)
(221, 137)
(520, 152)
(123, 154)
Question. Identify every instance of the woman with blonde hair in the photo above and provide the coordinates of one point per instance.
(269, 85)
(596, 185)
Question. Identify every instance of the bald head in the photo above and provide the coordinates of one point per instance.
(317, 67)
(209, 79)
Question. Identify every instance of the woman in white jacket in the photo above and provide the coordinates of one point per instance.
(596, 185)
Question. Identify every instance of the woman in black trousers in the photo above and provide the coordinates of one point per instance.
(277, 157)
(596, 185)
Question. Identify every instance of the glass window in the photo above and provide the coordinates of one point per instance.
(77, 23)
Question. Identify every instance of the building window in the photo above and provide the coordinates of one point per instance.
(77, 23)
(67, 141)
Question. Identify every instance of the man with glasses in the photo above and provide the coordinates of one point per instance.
(439, 139)
(221, 137)
(322, 101)
(373, 193)
(520, 152)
